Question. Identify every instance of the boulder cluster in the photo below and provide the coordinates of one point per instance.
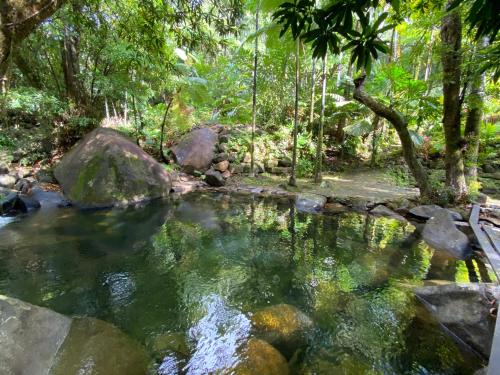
(16, 189)
(209, 151)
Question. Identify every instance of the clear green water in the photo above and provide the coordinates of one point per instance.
(189, 267)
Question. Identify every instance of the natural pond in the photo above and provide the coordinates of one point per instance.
(202, 281)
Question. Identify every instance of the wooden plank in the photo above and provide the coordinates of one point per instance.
(484, 241)
(489, 240)
(494, 364)
(494, 235)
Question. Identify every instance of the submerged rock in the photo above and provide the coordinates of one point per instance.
(171, 342)
(196, 150)
(310, 202)
(106, 169)
(441, 233)
(30, 337)
(259, 358)
(465, 311)
(283, 326)
(38, 341)
(99, 348)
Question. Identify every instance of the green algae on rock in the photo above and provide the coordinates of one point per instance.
(283, 326)
(106, 169)
(93, 346)
(259, 358)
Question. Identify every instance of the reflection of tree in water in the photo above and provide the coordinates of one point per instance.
(59, 249)
(352, 273)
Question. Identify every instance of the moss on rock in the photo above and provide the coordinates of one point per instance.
(106, 169)
(283, 326)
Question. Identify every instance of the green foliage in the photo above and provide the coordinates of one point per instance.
(401, 176)
(29, 101)
(326, 28)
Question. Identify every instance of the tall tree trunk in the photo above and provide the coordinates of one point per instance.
(451, 37)
(29, 74)
(168, 104)
(401, 126)
(125, 107)
(313, 87)
(293, 178)
(473, 121)
(71, 67)
(254, 94)
(340, 134)
(339, 71)
(5, 49)
(18, 18)
(375, 136)
(106, 108)
(319, 152)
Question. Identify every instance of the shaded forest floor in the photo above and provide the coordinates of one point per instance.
(366, 184)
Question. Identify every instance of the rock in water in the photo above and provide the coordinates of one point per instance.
(283, 326)
(441, 233)
(30, 337)
(99, 348)
(196, 150)
(106, 169)
(8, 203)
(38, 341)
(259, 358)
(464, 310)
(310, 202)
(430, 210)
(214, 178)
(381, 210)
(223, 344)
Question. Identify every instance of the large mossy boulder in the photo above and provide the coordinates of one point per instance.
(283, 326)
(196, 150)
(107, 169)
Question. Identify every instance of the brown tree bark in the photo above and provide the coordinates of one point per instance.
(472, 124)
(401, 126)
(254, 94)
(71, 67)
(319, 153)
(340, 134)
(18, 18)
(31, 75)
(293, 175)
(375, 137)
(451, 38)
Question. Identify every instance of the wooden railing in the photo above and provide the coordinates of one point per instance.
(487, 240)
